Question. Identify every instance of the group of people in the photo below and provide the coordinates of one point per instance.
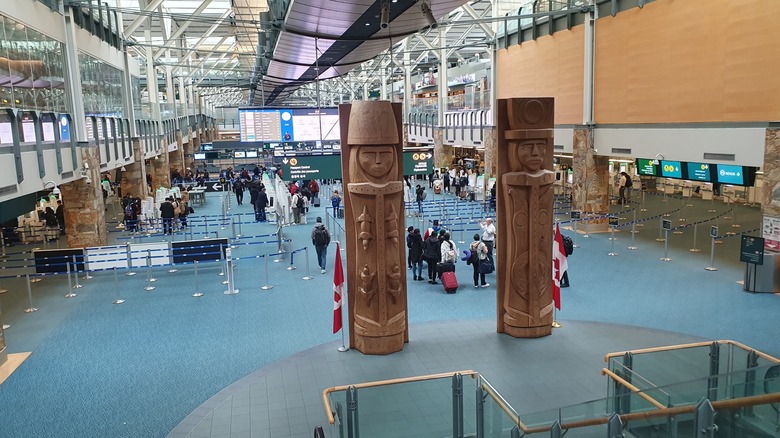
(303, 194)
(439, 252)
(257, 196)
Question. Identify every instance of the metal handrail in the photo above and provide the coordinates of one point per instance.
(609, 356)
(634, 389)
(327, 391)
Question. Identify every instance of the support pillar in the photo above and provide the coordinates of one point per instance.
(189, 149)
(442, 153)
(770, 205)
(134, 177)
(590, 186)
(3, 351)
(176, 158)
(491, 153)
(85, 210)
(161, 168)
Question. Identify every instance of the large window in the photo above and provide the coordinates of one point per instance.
(101, 86)
(31, 69)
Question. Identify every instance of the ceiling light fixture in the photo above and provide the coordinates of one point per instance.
(428, 14)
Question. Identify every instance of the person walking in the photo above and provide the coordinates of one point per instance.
(238, 189)
(625, 188)
(408, 239)
(431, 255)
(479, 252)
(60, 213)
(167, 214)
(320, 238)
(488, 235)
(447, 181)
(419, 196)
(297, 205)
(335, 201)
(260, 204)
(415, 244)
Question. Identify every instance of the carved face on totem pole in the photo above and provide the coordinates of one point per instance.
(376, 161)
(527, 156)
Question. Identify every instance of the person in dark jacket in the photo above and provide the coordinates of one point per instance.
(238, 189)
(260, 204)
(167, 214)
(419, 195)
(408, 239)
(415, 244)
(60, 213)
(432, 255)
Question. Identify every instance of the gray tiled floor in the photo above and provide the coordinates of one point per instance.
(284, 399)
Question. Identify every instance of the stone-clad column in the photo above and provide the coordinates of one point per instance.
(161, 169)
(590, 186)
(189, 149)
(134, 177)
(84, 207)
(442, 153)
(372, 159)
(525, 216)
(3, 351)
(770, 199)
(491, 153)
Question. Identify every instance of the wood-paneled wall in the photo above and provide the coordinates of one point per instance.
(673, 61)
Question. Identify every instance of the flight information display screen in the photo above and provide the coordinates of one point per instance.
(729, 174)
(645, 167)
(288, 124)
(698, 171)
(671, 169)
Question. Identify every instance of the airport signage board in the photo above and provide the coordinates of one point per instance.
(698, 172)
(646, 167)
(418, 162)
(752, 250)
(311, 167)
(730, 174)
(671, 169)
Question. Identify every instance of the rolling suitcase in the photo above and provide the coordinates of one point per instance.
(450, 282)
(315, 201)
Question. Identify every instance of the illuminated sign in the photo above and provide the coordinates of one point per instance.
(645, 167)
(729, 174)
(671, 169)
(698, 171)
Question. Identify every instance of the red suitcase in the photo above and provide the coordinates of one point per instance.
(450, 282)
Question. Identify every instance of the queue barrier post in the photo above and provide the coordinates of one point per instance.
(574, 237)
(660, 237)
(462, 226)
(633, 246)
(292, 262)
(118, 299)
(666, 258)
(2, 244)
(30, 309)
(70, 293)
(197, 293)
(695, 232)
(231, 286)
(612, 252)
(712, 267)
(233, 231)
(221, 260)
(76, 274)
(130, 271)
(86, 268)
(267, 285)
(307, 276)
(149, 279)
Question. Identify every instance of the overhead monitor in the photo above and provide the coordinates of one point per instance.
(730, 174)
(239, 154)
(251, 154)
(645, 166)
(671, 169)
(64, 128)
(698, 172)
(288, 124)
(28, 128)
(206, 147)
(200, 155)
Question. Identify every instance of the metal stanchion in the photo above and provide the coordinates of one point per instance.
(233, 231)
(280, 244)
(666, 258)
(266, 286)
(239, 227)
(30, 309)
(612, 247)
(149, 278)
(118, 299)
(231, 286)
(307, 276)
(86, 268)
(734, 223)
(70, 293)
(2, 244)
(76, 274)
(643, 209)
(221, 260)
(292, 265)
(574, 237)
(712, 267)
(130, 271)
(462, 226)
(197, 293)
(660, 237)
(633, 246)
(206, 221)
(695, 230)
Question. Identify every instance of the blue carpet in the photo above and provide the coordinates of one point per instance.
(135, 370)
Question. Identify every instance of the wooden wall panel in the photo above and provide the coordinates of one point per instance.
(551, 66)
(689, 61)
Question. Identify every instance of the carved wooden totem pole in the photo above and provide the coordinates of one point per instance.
(372, 168)
(525, 213)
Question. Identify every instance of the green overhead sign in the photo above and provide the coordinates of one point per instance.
(311, 167)
(418, 162)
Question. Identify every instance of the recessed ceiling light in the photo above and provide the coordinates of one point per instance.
(368, 24)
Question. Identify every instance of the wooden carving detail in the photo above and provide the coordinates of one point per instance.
(525, 212)
(373, 174)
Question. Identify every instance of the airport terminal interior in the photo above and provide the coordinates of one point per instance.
(179, 218)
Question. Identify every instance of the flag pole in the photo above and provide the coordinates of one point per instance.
(555, 323)
(339, 297)
(343, 347)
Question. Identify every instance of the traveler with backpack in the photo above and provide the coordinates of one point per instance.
(419, 197)
(478, 253)
(335, 201)
(297, 204)
(625, 188)
(238, 189)
(431, 255)
(568, 249)
(415, 244)
(320, 238)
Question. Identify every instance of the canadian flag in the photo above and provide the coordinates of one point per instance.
(560, 265)
(338, 291)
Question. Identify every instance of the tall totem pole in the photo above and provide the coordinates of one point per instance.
(372, 168)
(525, 215)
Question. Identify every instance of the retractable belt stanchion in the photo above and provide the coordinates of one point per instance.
(633, 246)
(234, 239)
(86, 268)
(221, 260)
(149, 278)
(642, 208)
(292, 264)
(76, 274)
(197, 293)
(231, 286)
(130, 271)
(695, 231)
(462, 226)
(118, 299)
(574, 237)
(612, 245)
(666, 258)
(307, 276)
(2, 244)
(280, 244)
(267, 285)
(712, 267)
(70, 293)
(206, 221)
(660, 237)
(239, 227)
(30, 309)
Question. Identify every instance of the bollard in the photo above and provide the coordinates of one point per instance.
(666, 258)
(118, 299)
(149, 278)
(266, 286)
(734, 223)
(197, 293)
(307, 276)
(70, 293)
(643, 209)
(695, 229)
(574, 237)
(292, 265)
(231, 287)
(30, 309)
(612, 252)
(660, 237)
(130, 272)
(712, 267)
(76, 274)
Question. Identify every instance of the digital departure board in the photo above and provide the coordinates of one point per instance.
(645, 166)
(698, 171)
(288, 125)
(671, 169)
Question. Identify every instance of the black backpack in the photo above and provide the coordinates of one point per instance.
(299, 204)
(321, 236)
(568, 245)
